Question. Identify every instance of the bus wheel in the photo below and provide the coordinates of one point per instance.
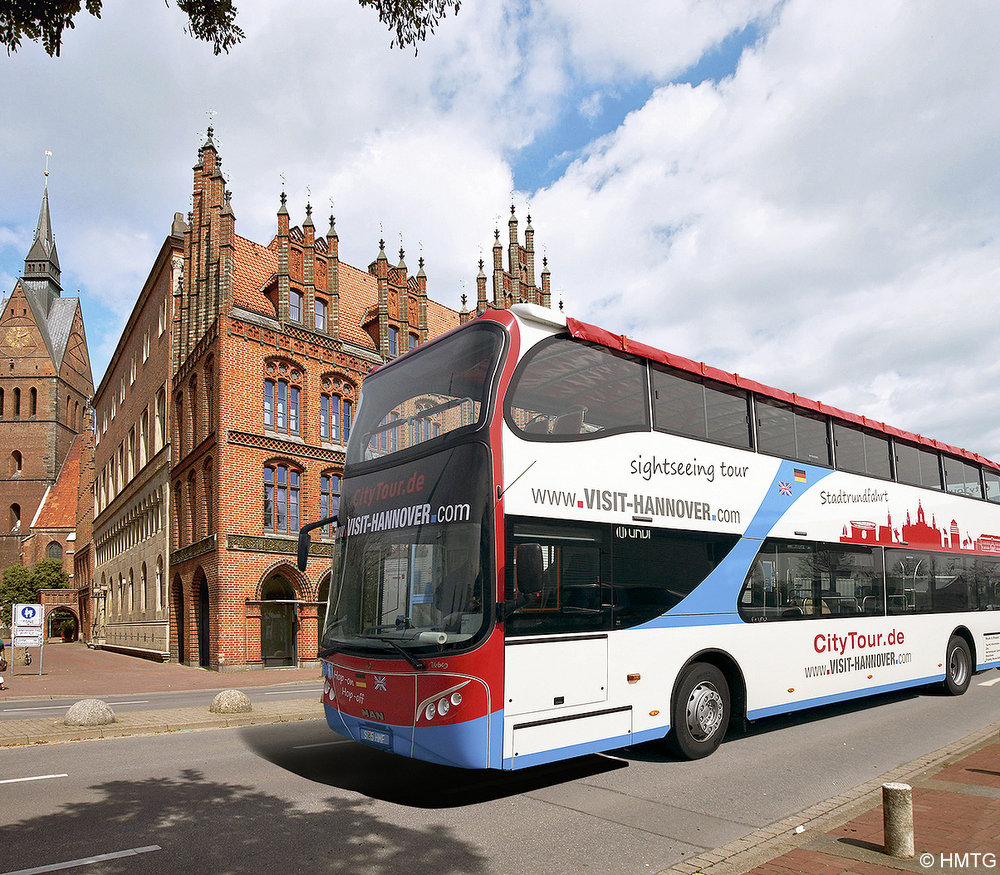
(958, 666)
(700, 712)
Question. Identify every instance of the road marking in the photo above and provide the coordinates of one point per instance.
(32, 778)
(989, 683)
(85, 861)
(321, 744)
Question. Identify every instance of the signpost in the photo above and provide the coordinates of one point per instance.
(26, 631)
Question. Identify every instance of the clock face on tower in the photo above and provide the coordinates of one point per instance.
(17, 340)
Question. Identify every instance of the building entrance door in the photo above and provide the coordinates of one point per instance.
(278, 623)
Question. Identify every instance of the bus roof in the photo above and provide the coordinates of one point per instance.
(594, 334)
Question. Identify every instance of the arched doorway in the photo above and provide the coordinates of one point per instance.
(278, 628)
(177, 604)
(201, 606)
(62, 623)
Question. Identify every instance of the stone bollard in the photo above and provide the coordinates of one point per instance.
(89, 712)
(231, 702)
(897, 819)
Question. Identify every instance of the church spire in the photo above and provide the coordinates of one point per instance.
(42, 262)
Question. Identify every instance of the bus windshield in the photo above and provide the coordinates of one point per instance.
(412, 556)
(441, 388)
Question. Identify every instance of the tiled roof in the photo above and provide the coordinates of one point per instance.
(58, 510)
(255, 266)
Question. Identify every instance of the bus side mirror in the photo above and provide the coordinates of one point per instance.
(529, 568)
(302, 554)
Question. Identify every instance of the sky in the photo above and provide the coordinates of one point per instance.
(803, 192)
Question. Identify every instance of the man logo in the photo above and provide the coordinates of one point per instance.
(372, 715)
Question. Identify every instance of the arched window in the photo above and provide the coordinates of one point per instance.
(15, 518)
(209, 487)
(193, 404)
(17, 404)
(54, 550)
(160, 431)
(193, 507)
(160, 595)
(329, 499)
(142, 589)
(336, 407)
(33, 401)
(210, 395)
(15, 463)
(1, 403)
(282, 391)
(281, 499)
(320, 315)
(179, 422)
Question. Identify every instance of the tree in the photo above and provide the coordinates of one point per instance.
(213, 21)
(21, 584)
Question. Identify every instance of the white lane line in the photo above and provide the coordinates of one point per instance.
(63, 707)
(321, 744)
(32, 778)
(989, 683)
(85, 861)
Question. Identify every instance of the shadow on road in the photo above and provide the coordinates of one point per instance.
(414, 783)
(211, 827)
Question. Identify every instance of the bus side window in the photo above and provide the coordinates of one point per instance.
(571, 594)
(792, 580)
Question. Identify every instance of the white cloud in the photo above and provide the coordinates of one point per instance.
(821, 220)
(824, 219)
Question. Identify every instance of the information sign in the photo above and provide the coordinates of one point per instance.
(28, 615)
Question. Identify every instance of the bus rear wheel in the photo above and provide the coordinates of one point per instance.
(700, 712)
(957, 666)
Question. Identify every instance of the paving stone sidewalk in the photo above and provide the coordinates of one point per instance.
(956, 815)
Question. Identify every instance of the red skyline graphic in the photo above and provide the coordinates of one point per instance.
(918, 534)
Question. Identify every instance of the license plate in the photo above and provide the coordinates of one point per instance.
(378, 736)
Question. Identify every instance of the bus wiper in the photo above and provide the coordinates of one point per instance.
(417, 663)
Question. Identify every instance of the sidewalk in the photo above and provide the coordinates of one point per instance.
(75, 671)
(956, 817)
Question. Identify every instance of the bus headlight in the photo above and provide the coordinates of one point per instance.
(456, 698)
(430, 710)
(444, 706)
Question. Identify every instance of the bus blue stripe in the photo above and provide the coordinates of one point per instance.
(841, 697)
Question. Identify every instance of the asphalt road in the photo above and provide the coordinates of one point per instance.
(295, 798)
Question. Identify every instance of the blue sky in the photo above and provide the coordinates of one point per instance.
(802, 192)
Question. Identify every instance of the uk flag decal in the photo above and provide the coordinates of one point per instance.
(380, 682)
(784, 488)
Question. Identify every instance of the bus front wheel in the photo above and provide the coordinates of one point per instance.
(958, 666)
(700, 714)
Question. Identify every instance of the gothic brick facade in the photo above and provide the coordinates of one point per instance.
(45, 381)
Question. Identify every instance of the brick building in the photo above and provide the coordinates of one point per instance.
(211, 453)
(131, 470)
(271, 344)
(45, 381)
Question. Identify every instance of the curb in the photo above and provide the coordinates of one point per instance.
(14, 733)
(740, 856)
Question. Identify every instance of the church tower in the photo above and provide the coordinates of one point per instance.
(45, 381)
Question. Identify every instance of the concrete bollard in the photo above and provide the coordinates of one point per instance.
(897, 819)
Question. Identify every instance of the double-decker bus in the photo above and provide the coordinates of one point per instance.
(553, 540)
